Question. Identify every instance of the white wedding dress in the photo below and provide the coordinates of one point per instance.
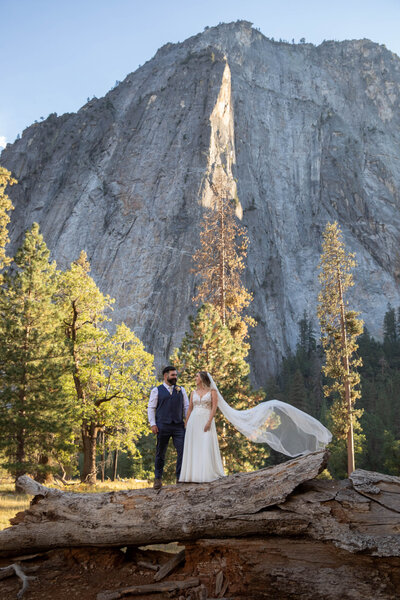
(201, 456)
(278, 424)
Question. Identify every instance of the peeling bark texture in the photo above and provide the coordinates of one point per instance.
(292, 569)
(275, 533)
(232, 506)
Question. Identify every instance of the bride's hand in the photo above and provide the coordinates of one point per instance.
(207, 426)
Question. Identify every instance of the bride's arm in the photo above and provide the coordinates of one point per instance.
(214, 400)
(189, 409)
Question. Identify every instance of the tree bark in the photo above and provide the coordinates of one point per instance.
(222, 259)
(103, 455)
(350, 436)
(290, 568)
(89, 442)
(357, 515)
(115, 465)
(45, 476)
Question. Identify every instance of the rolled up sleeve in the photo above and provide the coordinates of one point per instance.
(185, 402)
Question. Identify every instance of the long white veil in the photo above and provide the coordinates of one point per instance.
(282, 426)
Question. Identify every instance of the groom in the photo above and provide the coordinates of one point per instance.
(168, 405)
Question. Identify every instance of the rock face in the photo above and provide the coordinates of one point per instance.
(305, 135)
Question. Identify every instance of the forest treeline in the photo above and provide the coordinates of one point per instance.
(300, 382)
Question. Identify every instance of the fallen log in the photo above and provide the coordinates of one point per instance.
(136, 590)
(232, 506)
(359, 515)
(291, 568)
(278, 531)
(166, 569)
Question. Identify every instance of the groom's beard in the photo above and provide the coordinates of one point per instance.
(172, 380)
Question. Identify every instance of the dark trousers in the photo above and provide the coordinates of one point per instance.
(165, 432)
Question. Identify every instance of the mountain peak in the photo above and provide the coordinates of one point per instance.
(305, 135)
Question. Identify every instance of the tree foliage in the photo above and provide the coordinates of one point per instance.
(220, 262)
(340, 329)
(5, 207)
(111, 374)
(33, 361)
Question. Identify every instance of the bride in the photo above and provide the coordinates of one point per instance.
(201, 457)
(282, 426)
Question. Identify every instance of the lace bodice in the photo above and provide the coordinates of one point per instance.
(203, 401)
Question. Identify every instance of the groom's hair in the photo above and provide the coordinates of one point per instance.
(168, 369)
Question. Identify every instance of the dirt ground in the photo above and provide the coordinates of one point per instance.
(70, 574)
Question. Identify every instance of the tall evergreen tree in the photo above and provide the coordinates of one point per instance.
(220, 261)
(299, 380)
(34, 415)
(391, 337)
(340, 329)
(5, 207)
(112, 374)
(297, 395)
(210, 346)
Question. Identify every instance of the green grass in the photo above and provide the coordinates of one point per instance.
(11, 503)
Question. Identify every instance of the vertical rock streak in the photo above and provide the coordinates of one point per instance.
(221, 154)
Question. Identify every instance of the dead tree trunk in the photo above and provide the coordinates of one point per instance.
(357, 515)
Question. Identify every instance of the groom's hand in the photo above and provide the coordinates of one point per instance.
(154, 429)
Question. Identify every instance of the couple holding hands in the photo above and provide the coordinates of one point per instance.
(190, 423)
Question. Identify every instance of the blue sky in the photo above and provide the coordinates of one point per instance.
(57, 53)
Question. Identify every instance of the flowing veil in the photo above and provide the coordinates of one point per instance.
(282, 426)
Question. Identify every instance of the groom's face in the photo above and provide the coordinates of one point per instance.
(172, 376)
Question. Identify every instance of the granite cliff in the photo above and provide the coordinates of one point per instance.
(305, 134)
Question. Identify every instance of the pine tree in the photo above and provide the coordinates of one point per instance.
(391, 338)
(220, 261)
(34, 414)
(299, 379)
(210, 346)
(5, 207)
(111, 375)
(340, 329)
(297, 395)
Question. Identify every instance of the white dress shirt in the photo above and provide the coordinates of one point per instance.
(153, 401)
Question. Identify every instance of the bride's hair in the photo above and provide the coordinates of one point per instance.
(205, 378)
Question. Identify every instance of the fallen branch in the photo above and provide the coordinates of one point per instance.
(166, 569)
(26, 557)
(147, 565)
(64, 481)
(15, 569)
(136, 590)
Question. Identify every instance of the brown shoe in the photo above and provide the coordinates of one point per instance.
(157, 484)
(177, 480)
